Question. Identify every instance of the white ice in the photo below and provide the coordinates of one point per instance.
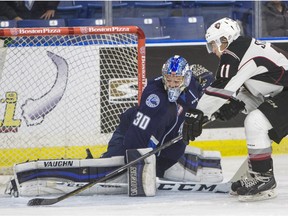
(164, 203)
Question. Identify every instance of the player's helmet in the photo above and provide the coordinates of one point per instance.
(224, 29)
(176, 67)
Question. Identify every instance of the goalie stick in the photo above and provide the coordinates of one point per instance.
(168, 185)
(51, 201)
(221, 187)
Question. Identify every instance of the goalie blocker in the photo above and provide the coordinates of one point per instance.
(46, 177)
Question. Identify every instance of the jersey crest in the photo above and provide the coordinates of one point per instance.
(152, 101)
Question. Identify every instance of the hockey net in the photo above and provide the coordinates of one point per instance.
(62, 89)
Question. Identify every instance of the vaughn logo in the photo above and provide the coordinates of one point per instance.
(133, 189)
(61, 163)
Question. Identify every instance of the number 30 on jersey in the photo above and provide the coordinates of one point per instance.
(141, 121)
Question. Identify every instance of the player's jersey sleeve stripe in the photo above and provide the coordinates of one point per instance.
(232, 54)
(222, 93)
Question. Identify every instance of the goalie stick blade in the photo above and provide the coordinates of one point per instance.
(41, 201)
(241, 172)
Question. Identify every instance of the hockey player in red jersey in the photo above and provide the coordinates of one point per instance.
(253, 73)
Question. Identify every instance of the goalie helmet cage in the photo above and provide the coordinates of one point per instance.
(62, 89)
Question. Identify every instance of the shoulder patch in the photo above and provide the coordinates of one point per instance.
(152, 101)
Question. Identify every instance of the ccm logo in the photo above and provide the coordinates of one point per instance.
(191, 115)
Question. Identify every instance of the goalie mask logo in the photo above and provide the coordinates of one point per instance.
(152, 101)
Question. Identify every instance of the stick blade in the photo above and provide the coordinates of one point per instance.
(41, 201)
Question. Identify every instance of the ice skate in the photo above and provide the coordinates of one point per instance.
(259, 187)
(240, 183)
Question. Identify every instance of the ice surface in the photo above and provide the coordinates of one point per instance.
(165, 203)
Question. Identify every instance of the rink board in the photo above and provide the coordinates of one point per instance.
(227, 147)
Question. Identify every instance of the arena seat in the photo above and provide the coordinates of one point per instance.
(8, 23)
(183, 28)
(85, 22)
(153, 9)
(96, 10)
(150, 26)
(188, 8)
(214, 10)
(41, 23)
(69, 12)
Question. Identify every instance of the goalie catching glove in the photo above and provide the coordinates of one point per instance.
(230, 109)
(202, 75)
(192, 127)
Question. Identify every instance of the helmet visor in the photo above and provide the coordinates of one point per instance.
(209, 47)
(221, 44)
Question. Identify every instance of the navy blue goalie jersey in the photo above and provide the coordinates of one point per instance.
(157, 120)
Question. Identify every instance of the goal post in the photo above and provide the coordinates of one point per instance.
(62, 89)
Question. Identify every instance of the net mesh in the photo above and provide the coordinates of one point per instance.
(62, 94)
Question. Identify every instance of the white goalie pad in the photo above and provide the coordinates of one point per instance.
(45, 177)
(142, 175)
(196, 166)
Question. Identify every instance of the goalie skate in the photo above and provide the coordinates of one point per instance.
(269, 194)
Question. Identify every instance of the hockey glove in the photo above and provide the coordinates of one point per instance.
(192, 127)
(230, 109)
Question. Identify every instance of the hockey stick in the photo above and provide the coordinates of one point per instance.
(169, 185)
(221, 187)
(51, 201)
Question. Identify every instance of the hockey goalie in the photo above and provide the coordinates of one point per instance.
(157, 119)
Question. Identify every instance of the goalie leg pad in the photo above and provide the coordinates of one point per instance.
(142, 175)
(45, 177)
(196, 166)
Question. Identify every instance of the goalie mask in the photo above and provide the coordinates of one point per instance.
(224, 30)
(176, 76)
